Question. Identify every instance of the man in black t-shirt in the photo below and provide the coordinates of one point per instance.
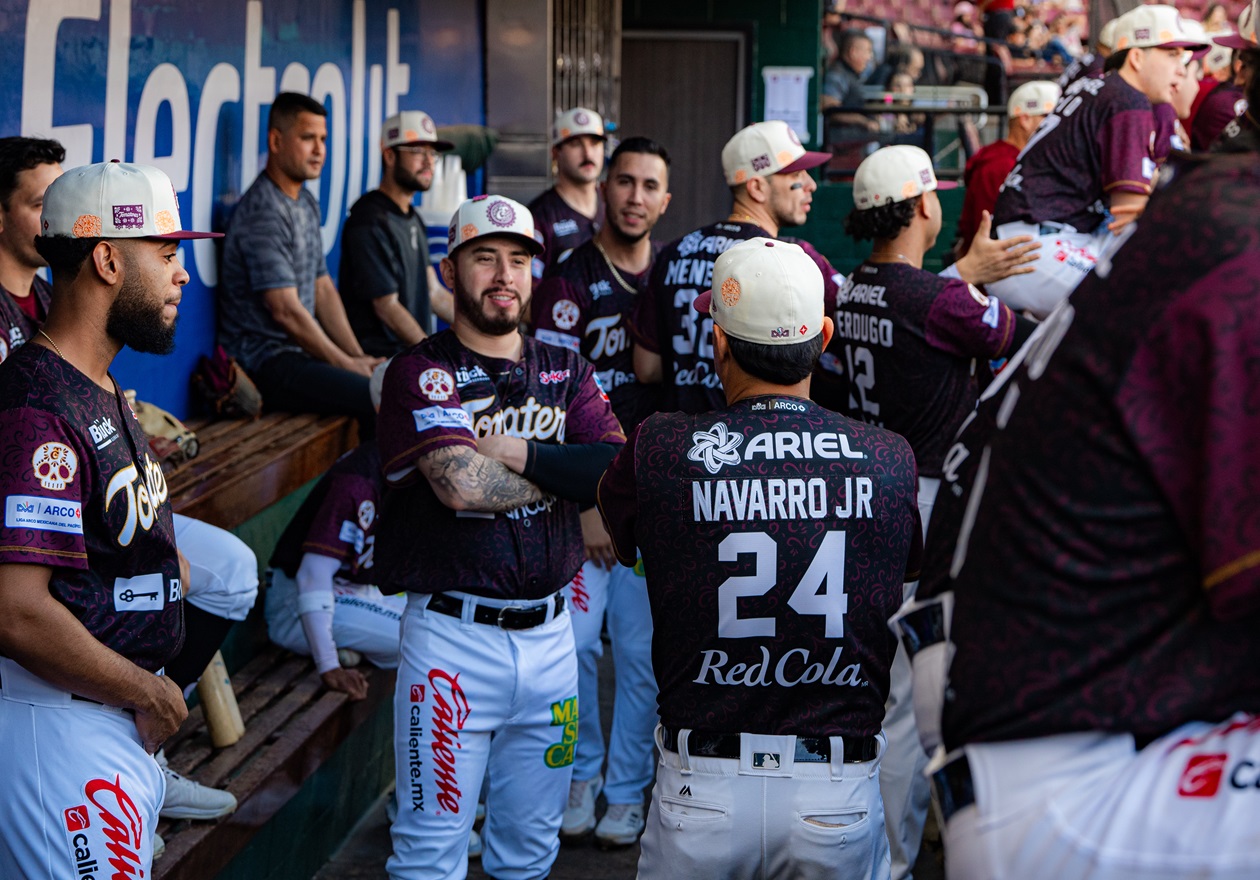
(386, 280)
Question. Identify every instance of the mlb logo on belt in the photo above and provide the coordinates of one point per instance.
(1202, 776)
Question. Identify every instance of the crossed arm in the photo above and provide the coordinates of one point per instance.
(464, 479)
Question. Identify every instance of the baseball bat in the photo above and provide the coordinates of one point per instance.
(218, 703)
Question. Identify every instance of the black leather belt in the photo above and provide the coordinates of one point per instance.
(954, 788)
(508, 617)
(809, 749)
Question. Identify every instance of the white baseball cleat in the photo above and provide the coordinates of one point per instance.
(579, 815)
(186, 799)
(621, 826)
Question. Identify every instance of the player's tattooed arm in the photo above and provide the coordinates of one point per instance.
(464, 479)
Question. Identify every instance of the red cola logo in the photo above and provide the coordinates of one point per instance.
(122, 825)
(450, 712)
(1202, 776)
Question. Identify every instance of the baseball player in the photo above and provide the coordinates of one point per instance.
(1091, 159)
(569, 212)
(915, 348)
(1097, 550)
(386, 280)
(1028, 107)
(776, 537)
(586, 307)
(91, 602)
(489, 442)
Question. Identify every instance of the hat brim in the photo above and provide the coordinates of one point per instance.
(701, 303)
(535, 247)
(440, 146)
(1234, 41)
(185, 235)
(807, 160)
(947, 184)
(1178, 44)
(578, 134)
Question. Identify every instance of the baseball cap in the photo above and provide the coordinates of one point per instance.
(1198, 33)
(491, 215)
(1107, 33)
(575, 122)
(1246, 36)
(114, 200)
(765, 291)
(411, 127)
(1034, 99)
(766, 148)
(894, 174)
(1154, 27)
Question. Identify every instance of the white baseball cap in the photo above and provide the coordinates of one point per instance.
(766, 148)
(1035, 98)
(1154, 27)
(1246, 36)
(411, 127)
(1107, 33)
(576, 122)
(765, 291)
(894, 174)
(114, 200)
(1199, 34)
(491, 215)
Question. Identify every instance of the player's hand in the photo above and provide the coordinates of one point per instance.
(350, 682)
(599, 546)
(988, 260)
(1123, 215)
(511, 452)
(162, 716)
(185, 572)
(363, 365)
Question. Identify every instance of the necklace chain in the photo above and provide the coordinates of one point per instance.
(901, 257)
(52, 343)
(609, 263)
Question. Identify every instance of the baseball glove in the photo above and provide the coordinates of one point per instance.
(221, 382)
(169, 438)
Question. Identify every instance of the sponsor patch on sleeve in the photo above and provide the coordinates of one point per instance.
(441, 417)
(43, 514)
(1148, 167)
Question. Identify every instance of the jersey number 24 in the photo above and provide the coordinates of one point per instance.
(820, 591)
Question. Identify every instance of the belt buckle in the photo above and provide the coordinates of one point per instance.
(504, 610)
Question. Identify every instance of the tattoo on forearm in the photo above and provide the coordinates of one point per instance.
(483, 483)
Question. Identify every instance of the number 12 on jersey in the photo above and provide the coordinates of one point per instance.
(819, 593)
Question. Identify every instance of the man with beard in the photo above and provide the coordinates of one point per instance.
(489, 441)
(91, 595)
(280, 314)
(569, 212)
(388, 285)
(586, 307)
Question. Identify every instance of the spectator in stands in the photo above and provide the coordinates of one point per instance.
(1091, 63)
(900, 58)
(1059, 48)
(842, 86)
(567, 214)
(998, 17)
(1216, 20)
(1029, 106)
(388, 284)
(830, 26)
(280, 314)
(966, 27)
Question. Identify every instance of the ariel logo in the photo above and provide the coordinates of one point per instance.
(501, 214)
(715, 447)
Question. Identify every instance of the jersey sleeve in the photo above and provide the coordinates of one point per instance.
(375, 264)
(1127, 162)
(44, 478)
(1189, 403)
(617, 497)
(965, 322)
(590, 417)
(420, 413)
(557, 314)
(340, 526)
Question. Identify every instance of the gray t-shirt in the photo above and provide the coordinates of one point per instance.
(272, 241)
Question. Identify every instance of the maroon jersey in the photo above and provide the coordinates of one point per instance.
(1105, 547)
(83, 496)
(983, 178)
(776, 537)
(562, 228)
(440, 394)
(1223, 104)
(1089, 64)
(585, 307)
(17, 327)
(1098, 140)
(912, 345)
(338, 518)
(666, 322)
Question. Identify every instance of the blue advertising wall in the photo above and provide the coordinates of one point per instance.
(186, 85)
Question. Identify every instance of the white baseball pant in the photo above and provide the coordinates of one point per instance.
(1092, 807)
(1065, 258)
(726, 819)
(620, 596)
(474, 699)
(80, 791)
(363, 619)
(224, 571)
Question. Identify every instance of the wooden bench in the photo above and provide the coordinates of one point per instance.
(295, 728)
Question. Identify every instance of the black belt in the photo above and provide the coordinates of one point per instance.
(507, 617)
(954, 788)
(809, 749)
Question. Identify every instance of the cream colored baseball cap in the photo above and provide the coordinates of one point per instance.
(491, 215)
(1246, 36)
(766, 148)
(1154, 27)
(1107, 33)
(575, 122)
(114, 200)
(765, 291)
(894, 174)
(1035, 98)
(411, 127)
